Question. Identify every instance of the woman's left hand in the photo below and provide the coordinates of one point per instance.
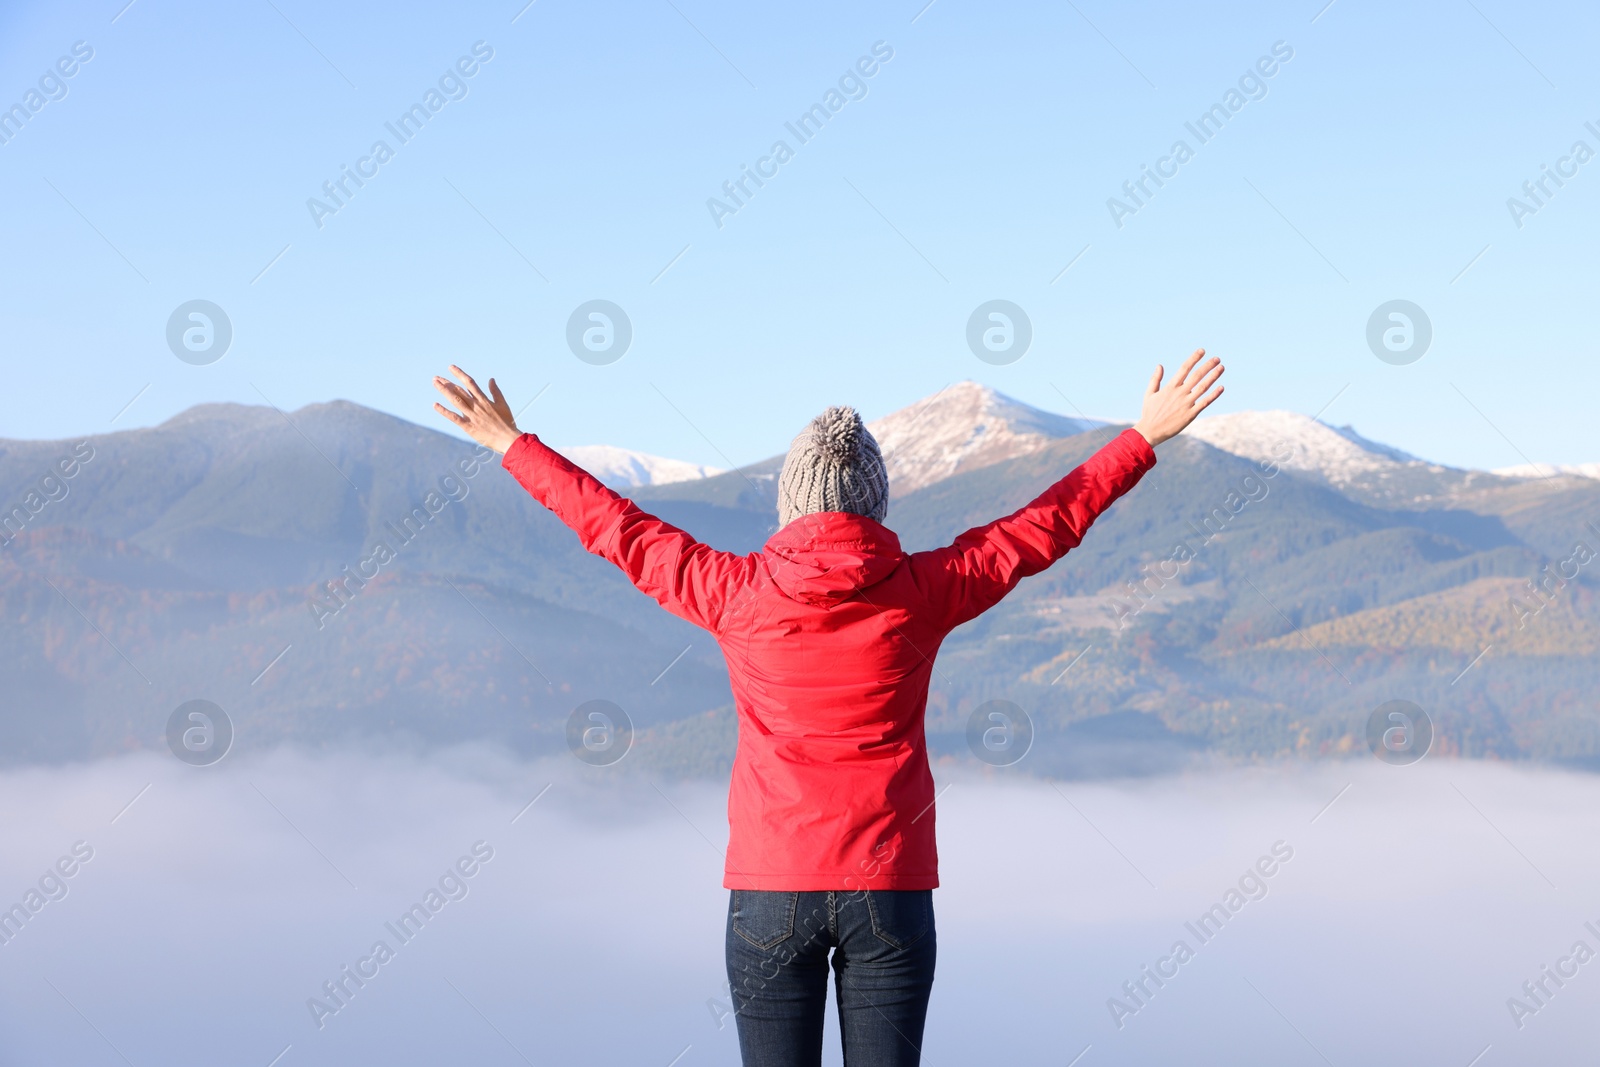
(487, 417)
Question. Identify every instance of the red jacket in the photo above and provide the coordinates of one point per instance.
(829, 633)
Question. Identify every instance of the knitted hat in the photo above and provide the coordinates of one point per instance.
(833, 465)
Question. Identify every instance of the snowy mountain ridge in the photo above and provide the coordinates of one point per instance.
(622, 468)
(962, 427)
(1301, 444)
(1549, 470)
(966, 425)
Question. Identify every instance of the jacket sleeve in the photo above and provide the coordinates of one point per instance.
(689, 579)
(974, 573)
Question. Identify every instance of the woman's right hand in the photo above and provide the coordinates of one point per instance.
(487, 417)
(1169, 408)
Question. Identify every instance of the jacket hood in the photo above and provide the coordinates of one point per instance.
(829, 556)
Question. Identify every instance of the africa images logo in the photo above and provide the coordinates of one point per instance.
(199, 733)
(999, 733)
(1399, 332)
(1399, 732)
(599, 332)
(999, 332)
(199, 332)
(599, 733)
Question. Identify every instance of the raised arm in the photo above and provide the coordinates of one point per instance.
(688, 578)
(982, 565)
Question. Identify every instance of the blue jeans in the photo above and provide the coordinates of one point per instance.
(883, 955)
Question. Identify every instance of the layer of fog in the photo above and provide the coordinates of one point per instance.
(215, 905)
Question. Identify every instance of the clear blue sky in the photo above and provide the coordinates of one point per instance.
(977, 166)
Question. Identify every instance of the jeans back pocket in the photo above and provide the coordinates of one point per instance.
(900, 917)
(764, 918)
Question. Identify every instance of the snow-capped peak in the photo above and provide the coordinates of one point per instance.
(962, 427)
(1300, 443)
(622, 467)
(1548, 470)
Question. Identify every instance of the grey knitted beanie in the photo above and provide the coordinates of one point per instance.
(833, 465)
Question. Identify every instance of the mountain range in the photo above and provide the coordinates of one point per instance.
(1270, 583)
(624, 468)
